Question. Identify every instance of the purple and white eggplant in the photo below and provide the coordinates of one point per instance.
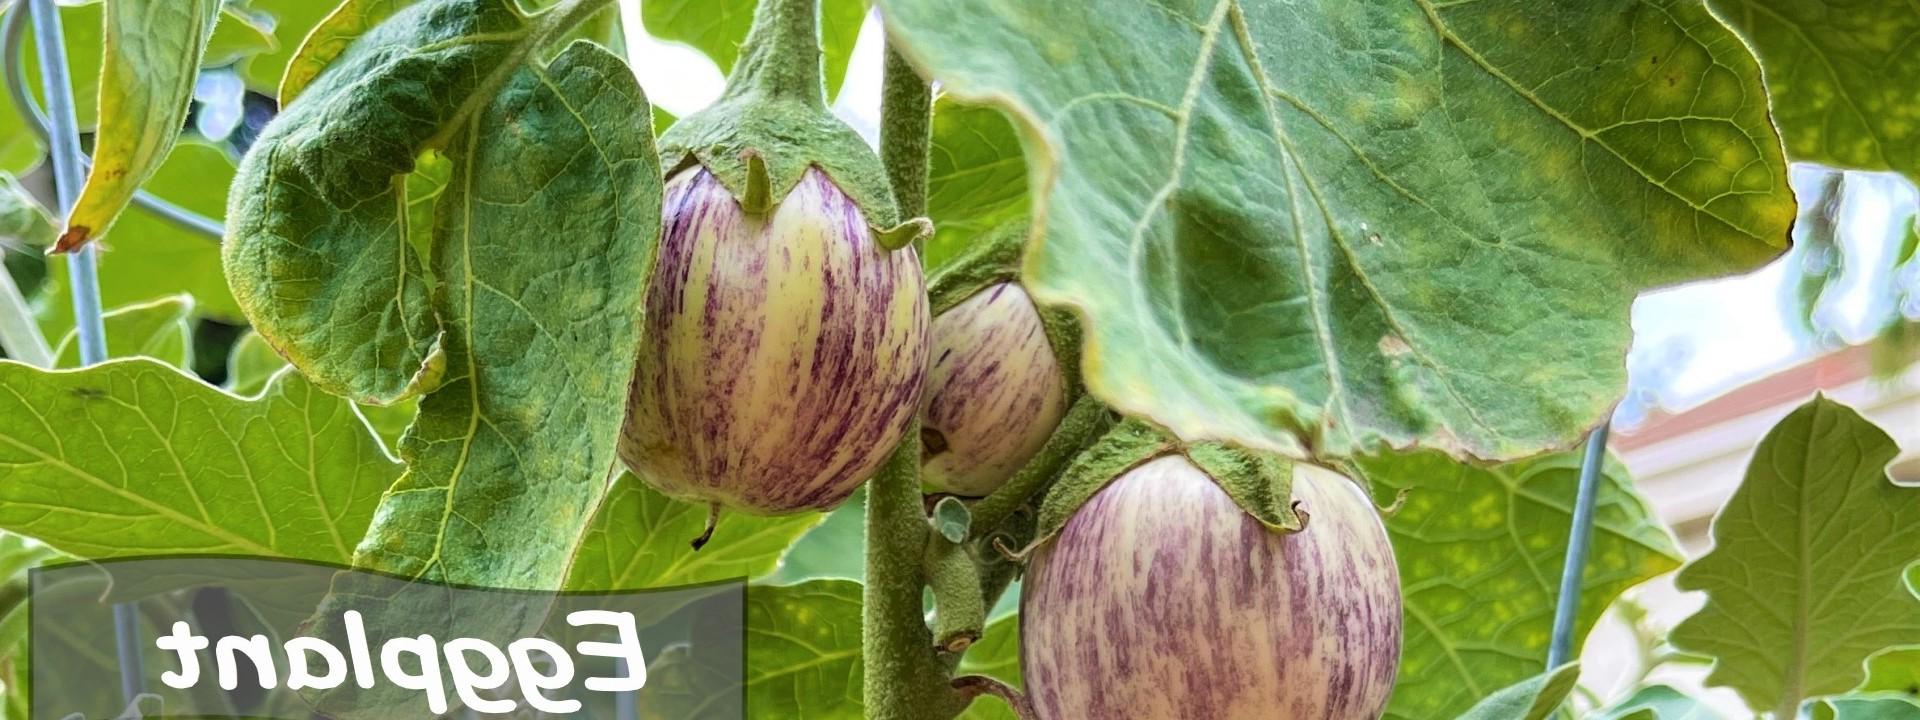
(783, 354)
(994, 394)
(1162, 600)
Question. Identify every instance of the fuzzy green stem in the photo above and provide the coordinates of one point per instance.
(781, 58)
(904, 679)
(906, 133)
(959, 604)
(1086, 421)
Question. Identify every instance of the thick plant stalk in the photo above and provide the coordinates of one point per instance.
(905, 678)
(782, 30)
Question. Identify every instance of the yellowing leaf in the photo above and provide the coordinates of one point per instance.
(330, 38)
(1807, 576)
(152, 58)
(1841, 76)
(1480, 551)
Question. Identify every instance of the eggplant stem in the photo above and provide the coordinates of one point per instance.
(713, 521)
(973, 686)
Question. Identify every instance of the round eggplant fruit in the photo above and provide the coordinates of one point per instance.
(1162, 600)
(994, 393)
(783, 354)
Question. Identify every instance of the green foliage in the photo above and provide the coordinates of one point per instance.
(1274, 242)
(717, 27)
(1841, 75)
(538, 336)
(832, 549)
(152, 60)
(132, 458)
(1480, 552)
(1531, 699)
(1807, 575)
(1658, 702)
(1866, 707)
(1895, 670)
(803, 657)
(252, 362)
(639, 538)
(976, 178)
(159, 329)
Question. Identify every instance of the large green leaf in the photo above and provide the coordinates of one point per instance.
(1480, 552)
(517, 440)
(640, 539)
(160, 329)
(318, 248)
(1806, 577)
(152, 60)
(1532, 699)
(1316, 226)
(976, 177)
(803, 658)
(132, 457)
(717, 27)
(147, 257)
(1841, 74)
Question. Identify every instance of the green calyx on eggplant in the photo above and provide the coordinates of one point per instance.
(1162, 598)
(786, 331)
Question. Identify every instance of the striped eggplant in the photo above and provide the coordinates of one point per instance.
(783, 354)
(1162, 600)
(994, 393)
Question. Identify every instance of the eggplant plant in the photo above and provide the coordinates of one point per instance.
(1197, 360)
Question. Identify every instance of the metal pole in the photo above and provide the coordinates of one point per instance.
(1571, 576)
(68, 166)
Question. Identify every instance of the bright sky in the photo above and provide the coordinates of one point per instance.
(1690, 343)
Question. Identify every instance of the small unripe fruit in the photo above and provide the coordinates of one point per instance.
(1162, 600)
(994, 393)
(782, 355)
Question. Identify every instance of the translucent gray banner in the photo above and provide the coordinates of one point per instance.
(252, 638)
